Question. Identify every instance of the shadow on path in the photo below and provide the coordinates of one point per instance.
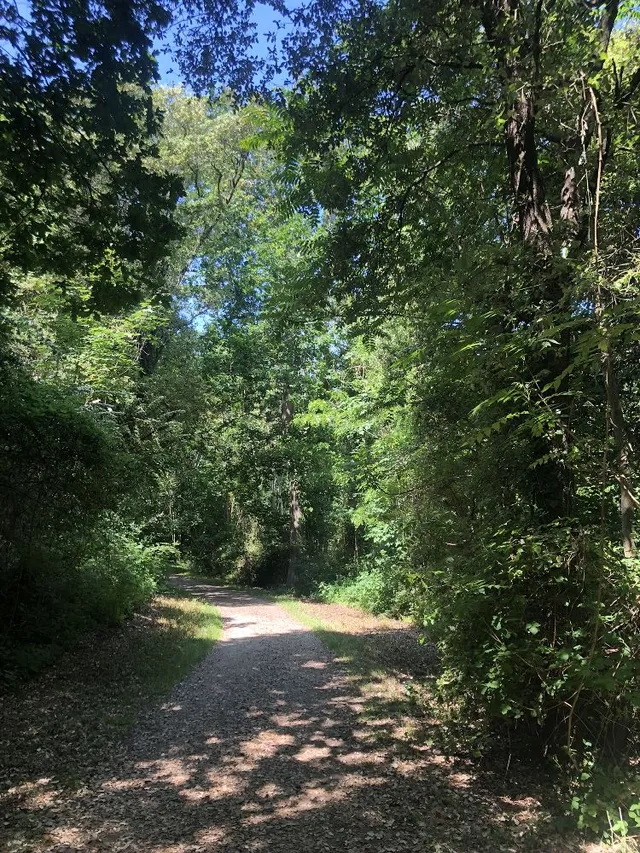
(265, 748)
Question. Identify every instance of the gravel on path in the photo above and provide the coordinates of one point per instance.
(265, 747)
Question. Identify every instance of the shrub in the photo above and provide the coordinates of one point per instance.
(375, 587)
(540, 632)
(67, 561)
(120, 570)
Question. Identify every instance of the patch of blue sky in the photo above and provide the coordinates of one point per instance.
(270, 28)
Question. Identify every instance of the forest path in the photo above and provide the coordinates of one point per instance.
(265, 747)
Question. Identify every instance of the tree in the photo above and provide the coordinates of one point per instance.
(78, 127)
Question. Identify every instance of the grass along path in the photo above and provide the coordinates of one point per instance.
(365, 642)
(56, 729)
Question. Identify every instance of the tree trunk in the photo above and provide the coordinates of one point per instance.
(295, 538)
(295, 512)
(623, 455)
(532, 210)
(624, 451)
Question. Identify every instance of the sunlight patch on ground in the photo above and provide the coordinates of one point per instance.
(266, 744)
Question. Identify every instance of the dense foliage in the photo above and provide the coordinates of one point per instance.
(374, 334)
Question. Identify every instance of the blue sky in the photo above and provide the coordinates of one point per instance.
(263, 17)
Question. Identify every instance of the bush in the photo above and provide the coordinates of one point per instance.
(606, 798)
(120, 571)
(540, 633)
(375, 588)
(67, 561)
(116, 573)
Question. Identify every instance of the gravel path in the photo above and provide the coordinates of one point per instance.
(265, 748)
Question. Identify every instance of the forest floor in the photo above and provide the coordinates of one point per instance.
(296, 734)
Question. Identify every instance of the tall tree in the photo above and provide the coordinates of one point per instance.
(78, 127)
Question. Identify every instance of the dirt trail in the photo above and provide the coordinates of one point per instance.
(265, 748)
